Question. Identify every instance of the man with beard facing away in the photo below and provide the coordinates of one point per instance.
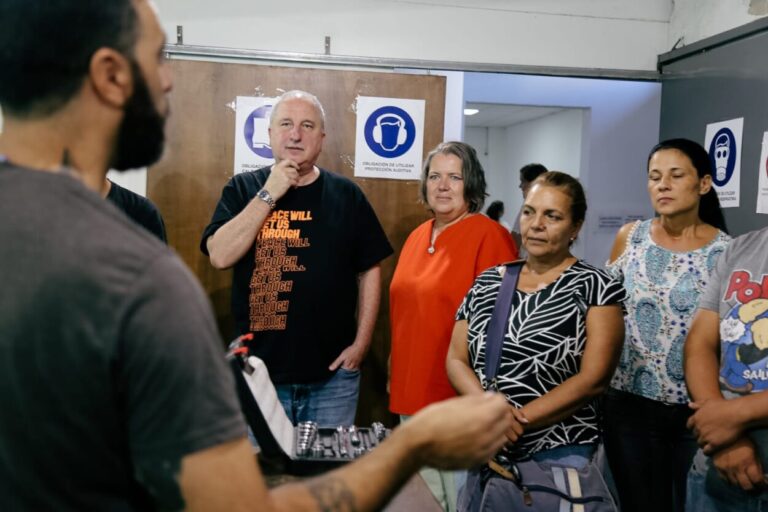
(141, 131)
(113, 388)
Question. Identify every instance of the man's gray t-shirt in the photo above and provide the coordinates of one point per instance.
(111, 367)
(738, 292)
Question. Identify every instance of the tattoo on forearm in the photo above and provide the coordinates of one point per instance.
(160, 478)
(332, 495)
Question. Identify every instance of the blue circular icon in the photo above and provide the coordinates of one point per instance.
(256, 131)
(389, 132)
(722, 155)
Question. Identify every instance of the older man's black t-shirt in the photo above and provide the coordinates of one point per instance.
(296, 288)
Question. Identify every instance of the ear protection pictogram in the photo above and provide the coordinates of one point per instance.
(402, 133)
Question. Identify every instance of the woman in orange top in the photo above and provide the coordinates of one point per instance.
(438, 264)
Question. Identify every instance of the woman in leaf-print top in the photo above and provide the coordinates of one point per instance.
(665, 263)
(563, 337)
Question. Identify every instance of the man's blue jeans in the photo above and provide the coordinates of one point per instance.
(728, 498)
(329, 403)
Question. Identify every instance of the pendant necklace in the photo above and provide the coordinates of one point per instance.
(433, 238)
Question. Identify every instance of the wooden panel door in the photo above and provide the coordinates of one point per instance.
(187, 183)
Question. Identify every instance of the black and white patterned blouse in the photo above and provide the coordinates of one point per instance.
(543, 343)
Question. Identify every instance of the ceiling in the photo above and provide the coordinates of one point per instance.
(495, 115)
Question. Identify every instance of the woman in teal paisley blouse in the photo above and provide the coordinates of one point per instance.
(665, 262)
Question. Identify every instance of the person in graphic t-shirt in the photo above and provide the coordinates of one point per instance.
(305, 245)
(725, 370)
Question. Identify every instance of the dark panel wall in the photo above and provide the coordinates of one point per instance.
(727, 81)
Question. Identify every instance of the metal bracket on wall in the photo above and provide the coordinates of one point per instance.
(327, 45)
(179, 34)
(710, 43)
(178, 51)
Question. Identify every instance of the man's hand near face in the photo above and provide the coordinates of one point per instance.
(284, 175)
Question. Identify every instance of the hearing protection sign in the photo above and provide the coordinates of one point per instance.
(389, 139)
(252, 149)
(723, 142)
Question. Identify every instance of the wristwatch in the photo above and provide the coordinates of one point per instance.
(265, 196)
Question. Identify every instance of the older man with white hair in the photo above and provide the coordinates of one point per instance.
(305, 245)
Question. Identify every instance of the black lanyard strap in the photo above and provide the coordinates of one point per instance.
(494, 338)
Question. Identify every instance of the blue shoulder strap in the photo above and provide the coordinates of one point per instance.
(494, 337)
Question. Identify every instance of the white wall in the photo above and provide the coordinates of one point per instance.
(622, 124)
(611, 34)
(554, 140)
(134, 180)
(453, 127)
(490, 144)
(697, 19)
(454, 104)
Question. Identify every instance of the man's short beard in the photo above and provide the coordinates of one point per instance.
(141, 137)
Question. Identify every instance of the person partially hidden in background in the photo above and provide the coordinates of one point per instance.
(495, 212)
(138, 208)
(528, 173)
